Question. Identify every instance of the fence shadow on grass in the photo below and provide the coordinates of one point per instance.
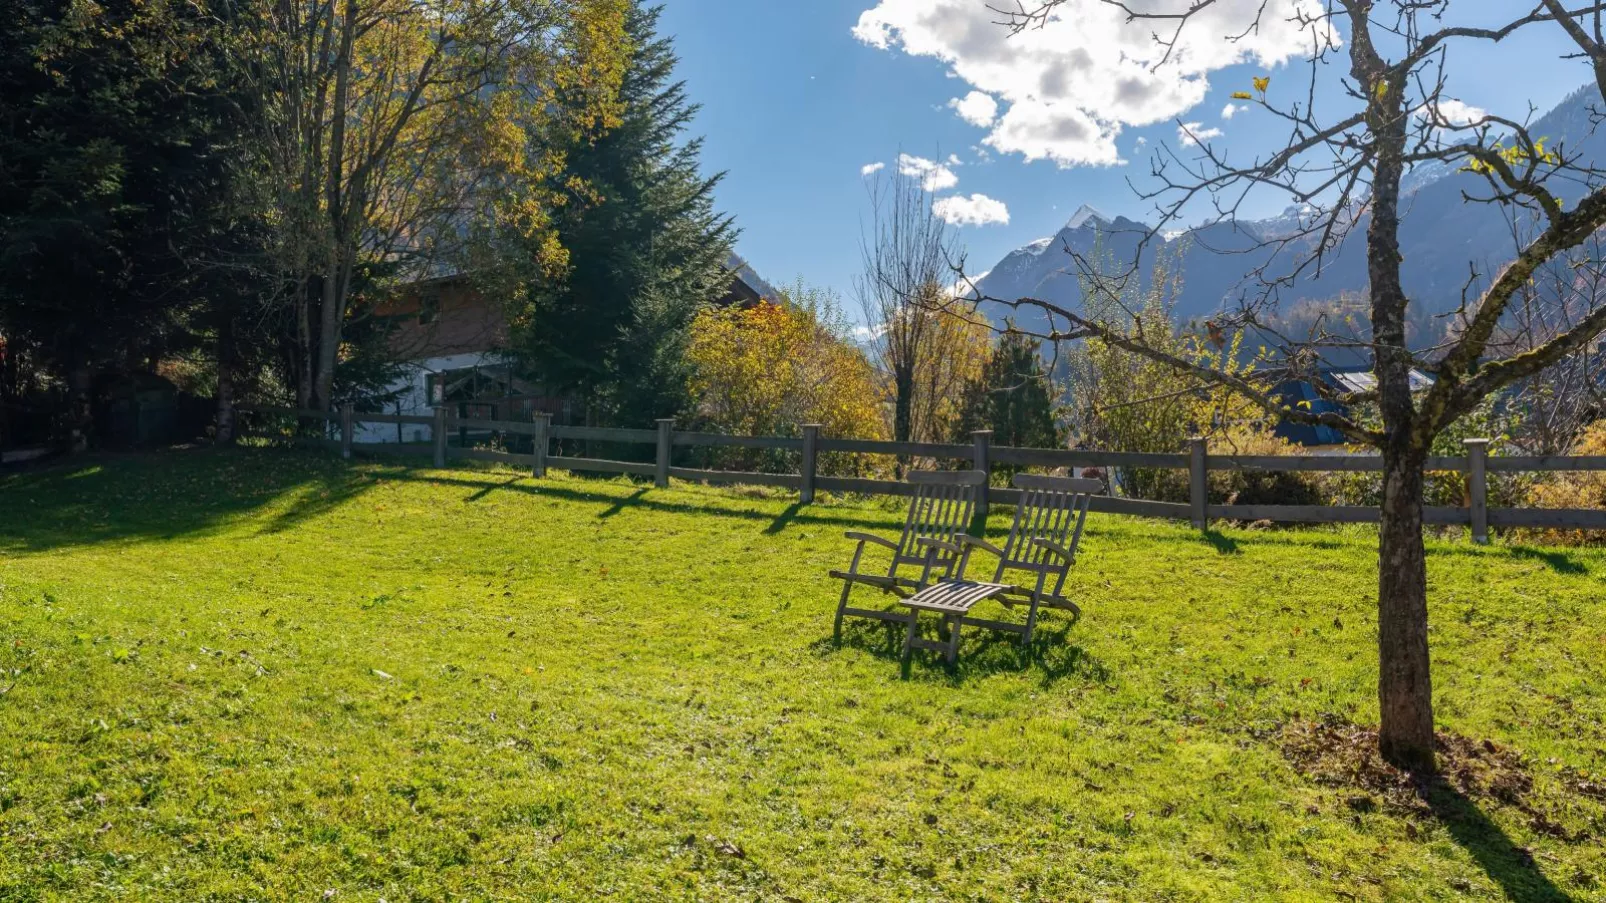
(1568, 562)
(492, 487)
(628, 501)
(642, 498)
(1222, 543)
(784, 519)
(1508, 865)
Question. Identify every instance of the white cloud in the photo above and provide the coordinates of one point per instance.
(1065, 91)
(933, 176)
(867, 334)
(870, 169)
(1456, 112)
(953, 160)
(1191, 133)
(977, 108)
(1231, 110)
(976, 210)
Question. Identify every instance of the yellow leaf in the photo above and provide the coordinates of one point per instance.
(1262, 82)
(1242, 95)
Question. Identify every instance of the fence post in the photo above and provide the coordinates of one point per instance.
(346, 418)
(811, 446)
(982, 460)
(666, 435)
(1198, 484)
(1478, 488)
(810, 461)
(437, 432)
(543, 436)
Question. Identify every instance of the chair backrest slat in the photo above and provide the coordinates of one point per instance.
(1052, 509)
(940, 509)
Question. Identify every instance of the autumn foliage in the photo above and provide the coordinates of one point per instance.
(768, 369)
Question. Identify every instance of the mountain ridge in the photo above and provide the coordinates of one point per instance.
(1440, 231)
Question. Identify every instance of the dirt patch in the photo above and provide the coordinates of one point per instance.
(1339, 753)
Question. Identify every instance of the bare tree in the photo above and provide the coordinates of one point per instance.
(1348, 169)
(1550, 408)
(907, 261)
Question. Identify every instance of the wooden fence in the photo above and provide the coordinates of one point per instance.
(982, 455)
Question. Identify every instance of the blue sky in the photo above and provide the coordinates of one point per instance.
(794, 104)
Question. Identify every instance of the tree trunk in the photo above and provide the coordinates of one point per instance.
(225, 380)
(304, 352)
(903, 391)
(332, 312)
(1405, 686)
(80, 408)
(331, 319)
(903, 404)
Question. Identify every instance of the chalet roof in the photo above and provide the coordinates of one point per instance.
(748, 278)
(443, 314)
(1364, 380)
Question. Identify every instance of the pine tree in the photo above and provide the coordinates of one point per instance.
(646, 251)
(1011, 398)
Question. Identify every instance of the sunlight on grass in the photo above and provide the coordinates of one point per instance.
(260, 674)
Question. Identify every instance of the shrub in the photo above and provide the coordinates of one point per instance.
(1260, 487)
(1575, 489)
(766, 369)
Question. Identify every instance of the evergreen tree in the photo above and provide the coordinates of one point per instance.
(646, 250)
(120, 135)
(1011, 398)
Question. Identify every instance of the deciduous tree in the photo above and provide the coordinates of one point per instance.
(768, 369)
(396, 130)
(1348, 167)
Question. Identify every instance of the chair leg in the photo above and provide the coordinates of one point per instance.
(909, 637)
(954, 624)
(841, 606)
(1031, 624)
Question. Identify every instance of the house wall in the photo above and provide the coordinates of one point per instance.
(412, 396)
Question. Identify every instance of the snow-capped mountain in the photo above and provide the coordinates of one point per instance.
(1442, 236)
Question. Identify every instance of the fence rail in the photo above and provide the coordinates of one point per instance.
(982, 455)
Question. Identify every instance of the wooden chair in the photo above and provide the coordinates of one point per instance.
(940, 511)
(1042, 541)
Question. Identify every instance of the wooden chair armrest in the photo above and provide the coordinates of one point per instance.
(950, 547)
(968, 540)
(1054, 547)
(871, 537)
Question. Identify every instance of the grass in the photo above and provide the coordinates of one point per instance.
(270, 675)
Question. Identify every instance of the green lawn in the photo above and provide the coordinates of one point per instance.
(270, 675)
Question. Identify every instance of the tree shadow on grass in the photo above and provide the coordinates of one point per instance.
(1508, 865)
(1558, 561)
(315, 499)
(125, 498)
